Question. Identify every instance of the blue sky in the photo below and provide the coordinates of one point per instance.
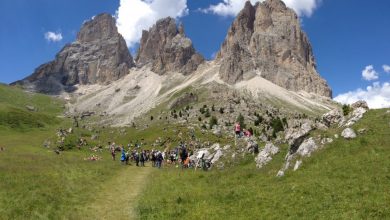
(347, 36)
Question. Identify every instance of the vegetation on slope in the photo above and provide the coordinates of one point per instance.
(347, 179)
(22, 111)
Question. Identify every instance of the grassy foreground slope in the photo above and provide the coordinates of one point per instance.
(36, 183)
(345, 180)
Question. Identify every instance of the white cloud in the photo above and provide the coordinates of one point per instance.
(53, 37)
(233, 7)
(133, 16)
(376, 96)
(386, 68)
(369, 73)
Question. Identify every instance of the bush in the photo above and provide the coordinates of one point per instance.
(346, 109)
(151, 117)
(258, 120)
(213, 108)
(240, 119)
(207, 113)
(213, 121)
(277, 126)
(199, 118)
(221, 110)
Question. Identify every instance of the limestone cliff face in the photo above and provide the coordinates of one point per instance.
(267, 38)
(166, 48)
(99, 55)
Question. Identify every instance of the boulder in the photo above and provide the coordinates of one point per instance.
(202, 152)
(295, 137)
(307, 148)
(217, 131)
(360, 104)
(357, 114)
(280, 173)
(265, 155)
(218, 154)
(334, 117)
(227, 147)
(326, 140)
(348, 133)
(252, 147)
(298, 163)
(31, 108)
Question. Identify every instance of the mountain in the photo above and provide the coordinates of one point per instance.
(266, 64)
(99, 55)
(166, 48)
(266, 39)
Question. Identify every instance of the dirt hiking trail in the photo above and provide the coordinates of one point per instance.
(117, 199)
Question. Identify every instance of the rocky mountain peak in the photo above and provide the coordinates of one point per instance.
(267, 40)
(166, 48)
(99, 27)
(98, 56)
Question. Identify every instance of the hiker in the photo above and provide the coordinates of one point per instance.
(127, 157)
(142, 158)
(186, 162)
(112, 149)
(247, 133)
(183, 155)
(153, 158)
(136, 158)
(237, 129)
(123, 156)
(160, 159)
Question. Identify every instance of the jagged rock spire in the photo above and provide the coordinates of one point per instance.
(166, 48)
(267, 39)
(99, 55)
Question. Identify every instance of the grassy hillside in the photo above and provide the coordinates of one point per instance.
(346, 180)
(23, 111)
(36, 183)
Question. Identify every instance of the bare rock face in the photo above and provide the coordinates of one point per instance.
(265, 155)
(166, 48)
(99, 55)
(267, 39)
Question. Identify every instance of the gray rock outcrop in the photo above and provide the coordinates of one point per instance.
(334, 117)
(360, 104)
(98, 56)
(307, 148)
(265, 155)
(357, 114)
(267, 39)
(166, 48)
(348, 133)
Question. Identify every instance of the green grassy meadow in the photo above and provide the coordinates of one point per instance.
(345, 180)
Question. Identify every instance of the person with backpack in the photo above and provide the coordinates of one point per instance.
(123, 155)
(136, 158)
(183, 155)
(112, 150)
(160, 159)
(142, 158)
(237, 129)
(153, 159)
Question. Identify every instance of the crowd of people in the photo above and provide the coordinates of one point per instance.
(178, 156)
